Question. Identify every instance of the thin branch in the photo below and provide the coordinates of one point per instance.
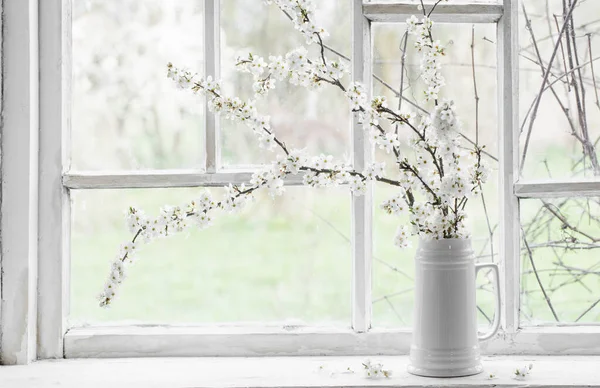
(562, 50)
(399, 94)
(433, 8)
(347, 239)
(539, 96)
(539, 58)
(394, 310)
(537, 276)
(583, 314)
(403, 44)
(475, 85)
(589, 36)
(484, 314)
(388, 296)
(566, 223)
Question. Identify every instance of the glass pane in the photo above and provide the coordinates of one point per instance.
(319, 121)
(393, 269)
(560, 138)
(560, 257)
(282, 260)
(126, 113)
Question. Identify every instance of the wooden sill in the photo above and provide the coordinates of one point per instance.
(260, 372)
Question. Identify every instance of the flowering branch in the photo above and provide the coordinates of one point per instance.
(434, 190)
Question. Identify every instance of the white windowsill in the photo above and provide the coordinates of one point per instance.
(550, 371)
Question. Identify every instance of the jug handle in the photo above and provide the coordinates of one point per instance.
(496, 323)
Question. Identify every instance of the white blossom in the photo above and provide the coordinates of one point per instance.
(275, 187)
(322, 162)
(357, 95)
(388, 142)
(375, 370)
(412, 24)
(379, 102)
(522, 372)
(203, 220)
(401, 240)
(374, 170)
(395, 205)
(116, 276)
(358, 186)
(406, 179)
(128, 249)
(302, 14)
(278, 67)
(267, 141)
(296, 158)
(430, 52)
(235, 198)
(135, 219)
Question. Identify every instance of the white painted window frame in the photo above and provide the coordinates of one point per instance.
(35, 293)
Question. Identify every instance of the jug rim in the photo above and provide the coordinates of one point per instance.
(446, 244)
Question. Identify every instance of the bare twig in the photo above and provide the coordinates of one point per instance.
(537, 276)
(589, 36)
(566, 223)
(484, 314)
(475, 85)
(539, 58)
(583, 314)
(539, 96)
(347, 239)
(389, 296)
(403, 44)
(562, 50)
(394, 310)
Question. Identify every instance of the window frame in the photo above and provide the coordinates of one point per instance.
(47, 266)
(20, 121)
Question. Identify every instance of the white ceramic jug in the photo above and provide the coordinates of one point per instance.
(445, 338)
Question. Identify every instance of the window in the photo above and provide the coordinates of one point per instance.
(559, 148)
(114, 132)
(119, 67)
(392, 269)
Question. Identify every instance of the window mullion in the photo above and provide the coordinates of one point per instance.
(558, 188)
(54, 202)
(465, 12)
(508, 108)
(212, 54)
(163, 179)
(362, 154)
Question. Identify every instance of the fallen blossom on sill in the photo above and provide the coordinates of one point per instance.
(522, 372)
(324, 369)
(375, 370)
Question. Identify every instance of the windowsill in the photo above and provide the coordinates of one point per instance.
(548, 371)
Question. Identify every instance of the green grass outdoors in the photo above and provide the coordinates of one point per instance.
(286, 260)
(283, 260)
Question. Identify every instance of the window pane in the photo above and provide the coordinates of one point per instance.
(560, 138)
(393, 269)
(319, 121)
(282, 260)
(560, 256)
(126, 113)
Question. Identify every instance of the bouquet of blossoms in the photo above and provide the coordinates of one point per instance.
(434, 182)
